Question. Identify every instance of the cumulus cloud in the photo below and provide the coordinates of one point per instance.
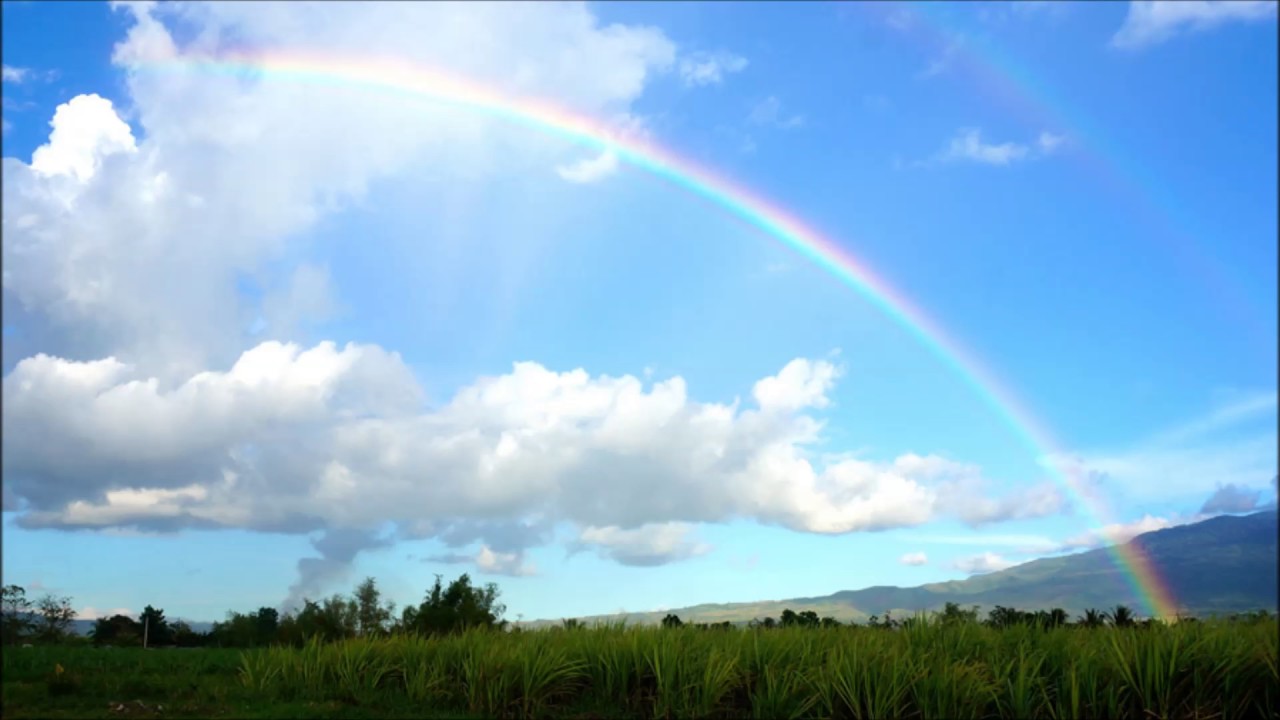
(704, 68)
(650, 544)
(130, 241)
(294, 440)
(914, 559)
(1150, 22)
(985, 563)
(86, 130)
(139, 400)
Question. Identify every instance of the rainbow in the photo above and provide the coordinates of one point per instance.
(732, 198)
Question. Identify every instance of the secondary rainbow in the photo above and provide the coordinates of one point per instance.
(1018, 88)
(399, 77)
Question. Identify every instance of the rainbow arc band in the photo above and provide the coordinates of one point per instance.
(730, 197)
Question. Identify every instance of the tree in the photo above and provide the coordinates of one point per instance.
(1092, 618)
(118, 630)
(155, 629)
(266, 625)
(54, 616)
(1121, 616)
(372, 615)
(672, 621)
(15, 614)
(953, 615)
(455, 608)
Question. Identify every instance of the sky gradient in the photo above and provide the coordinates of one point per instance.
(263, 338)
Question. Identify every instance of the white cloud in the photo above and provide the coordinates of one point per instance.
(968, 145)
(768, 112)
(89, 612)
(590, 170)
(704, 68)
(511, 564)
(1120, 533)
(914, 559)
(1150, 22)
(298, 440)
(11, 74)
(228, 172)
(646, 545)
(985, 563)
(86, 130)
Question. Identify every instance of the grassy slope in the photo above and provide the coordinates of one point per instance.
(1221, 565)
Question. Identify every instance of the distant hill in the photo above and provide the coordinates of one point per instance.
(82, 627)
(1221, 565)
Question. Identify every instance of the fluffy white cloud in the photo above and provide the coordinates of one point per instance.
(129, 242)
(86, 130)
(652, 544)
(914, 559)
(704, 68)
(1150, 22)
(985, 563)
(299, 440)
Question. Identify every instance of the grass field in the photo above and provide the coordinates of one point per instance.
(1204, 670)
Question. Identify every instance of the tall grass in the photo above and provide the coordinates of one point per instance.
(929, 670)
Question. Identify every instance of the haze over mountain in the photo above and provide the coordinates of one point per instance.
(1238, 553)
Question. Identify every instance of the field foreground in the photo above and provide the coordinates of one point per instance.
(930, 670)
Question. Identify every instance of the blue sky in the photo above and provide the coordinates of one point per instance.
(1083, 195)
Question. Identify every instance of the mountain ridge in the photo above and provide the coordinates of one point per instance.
(1238, 552)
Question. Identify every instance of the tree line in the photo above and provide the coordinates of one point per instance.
(443, 609)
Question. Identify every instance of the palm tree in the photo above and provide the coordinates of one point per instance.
(1092, 618)
(1057, 617)
(1121, 616)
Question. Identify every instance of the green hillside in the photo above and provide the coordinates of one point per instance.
(1221, 565)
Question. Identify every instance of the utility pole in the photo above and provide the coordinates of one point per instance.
(146, 625)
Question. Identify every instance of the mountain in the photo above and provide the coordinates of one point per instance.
(83, 627)
(1221, 565)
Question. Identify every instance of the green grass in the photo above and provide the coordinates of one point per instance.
(1203, 670)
